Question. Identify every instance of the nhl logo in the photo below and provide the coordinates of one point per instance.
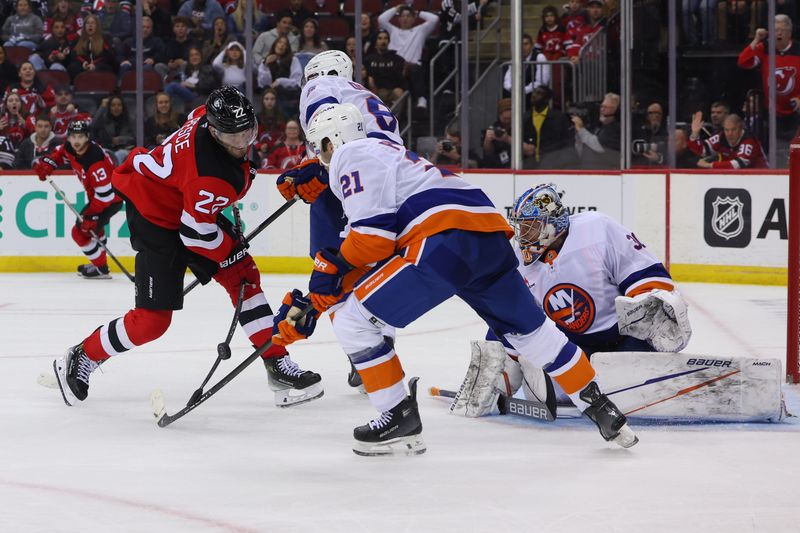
(727, 220)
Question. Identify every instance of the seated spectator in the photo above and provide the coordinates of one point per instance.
(62, 12)
(547, 140)
(368, 33)
(162, 123)
(600, 150)
(153, 51)
(37, 144)
(298, 14)
(8, 72)
(594, 23)
(236, 21)
(7, 153)
(53, 52)
(704, 13)
(450, 17)
(64, 111)
(195, 78)
(290, 151)
(650, 138)
(448, 150)
(12, 119)
(23, 28)
(281, 70)
(162, 20)
(552, 39)
(92, 52)
(684, 158)
(35, 95)
(310, 41)
(574, 17)
(497, 138)
(230, 64)
(112, 128)
(408, 40)
(116, 22)
(533, 75)
(719, 112)
(177, 48)
(733, 149)
(202, 13)
(350, 48)
(385, 70)
(263, 45)
(271, 123)
(40, 8)
(218, 40)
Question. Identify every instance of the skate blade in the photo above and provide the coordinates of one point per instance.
(61, 381)
(626, 437)
(291, 397)
(48, 380)
(101, 276)
(409, 446)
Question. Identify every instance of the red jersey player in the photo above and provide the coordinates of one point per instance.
(94, 168)
(732, 148)
(174, 196)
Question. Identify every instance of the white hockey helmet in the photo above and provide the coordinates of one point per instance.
(329, 63)
(339, 124)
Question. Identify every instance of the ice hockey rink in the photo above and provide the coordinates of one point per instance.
(238, 463)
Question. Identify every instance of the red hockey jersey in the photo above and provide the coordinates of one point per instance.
(185, 183)
(553, 42)
(35, 99)
(747, 154)
(787, 74)
(94, 169)
(583, 35)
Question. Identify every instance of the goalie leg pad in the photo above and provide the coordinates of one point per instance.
(478, 393)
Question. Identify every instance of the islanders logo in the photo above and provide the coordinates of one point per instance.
(570, 307)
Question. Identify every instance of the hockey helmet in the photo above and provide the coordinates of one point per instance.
(539, 219)
(329, 63)
(80, 127)
(232, 116)
(339, 124)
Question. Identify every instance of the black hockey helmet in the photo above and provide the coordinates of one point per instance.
(229, 111)
(79, 127)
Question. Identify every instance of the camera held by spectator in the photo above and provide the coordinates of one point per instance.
(640, 146)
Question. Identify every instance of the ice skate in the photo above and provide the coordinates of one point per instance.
(610, 421)
(72, 374)
(291, 384)
(397, 431)
(89, 271)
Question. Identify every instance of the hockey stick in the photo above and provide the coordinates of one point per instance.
(261, 227)
(223, 348)
(91, 232)
(509, 406)
(157, 397)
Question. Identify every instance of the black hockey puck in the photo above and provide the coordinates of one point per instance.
(223, 350)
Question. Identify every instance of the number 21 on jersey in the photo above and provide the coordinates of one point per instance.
(351, 184)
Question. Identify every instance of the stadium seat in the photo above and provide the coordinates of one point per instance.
(16, 55)
(151, 82)
(328, 7)
(436, 6)
(334, 29)
(95, 83)
(374, 7)
(53, 78)
(274, 6)
(85, 103)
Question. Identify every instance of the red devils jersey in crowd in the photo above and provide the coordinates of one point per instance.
(573, 23)
(787, 73)
(16, 130)
(184, 183)
(284, 156)
(582, 36)
(747, 154)
(94, 168)
(553, 42)
(61, 120)
(35, 98)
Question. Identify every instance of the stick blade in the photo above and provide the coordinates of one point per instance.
(159, 406)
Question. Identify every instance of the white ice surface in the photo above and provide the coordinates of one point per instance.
(238, 463)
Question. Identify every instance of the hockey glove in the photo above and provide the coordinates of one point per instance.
(286, 329)
(307, 180)
(325, 285)
(44, 167)
(238, 268)
(89, 223)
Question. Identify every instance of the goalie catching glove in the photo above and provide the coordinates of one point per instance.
(307, 180)
(325, 285)
(659, 317)
(286, 328)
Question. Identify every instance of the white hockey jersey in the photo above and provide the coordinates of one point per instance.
(379, 121)
(393, 198)
(600, 260)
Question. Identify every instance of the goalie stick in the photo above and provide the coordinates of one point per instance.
(157, 397)
(509, 405)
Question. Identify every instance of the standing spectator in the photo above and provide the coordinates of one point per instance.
(236, 21)
(162, 123)
(35, 95)
(533, 75)
(195, 78)
(553, 39)
(153, 51)
(230, 64)
(281, 70)
(684, 158)
(62, 12)
(584, 34)
(8, 72)
(547, 139)
(271, 123)
(112, 127)
(162, 20)
(600, 150)
(263, 45)
(719, 112)
(290, 151)
(177, 48)
(310, 41)
(298, 14)
(217, 41)
(574, 17)
(37, 144)
(368, 33)
(202, 13)
(115, 21)
(53, 52)
(92, 52)
(65, 112)
(787, 77)
(23, 28)
(7, 153)
(704, 12)
(497, 138)
(651, 132)
(408, 40)
(385, 70)
(12, 119)
(733, 149)
(450, 17)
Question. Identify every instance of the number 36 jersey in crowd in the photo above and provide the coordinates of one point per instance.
(185, 183)
(576, 287)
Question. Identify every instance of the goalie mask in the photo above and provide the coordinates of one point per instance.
(539, 219)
